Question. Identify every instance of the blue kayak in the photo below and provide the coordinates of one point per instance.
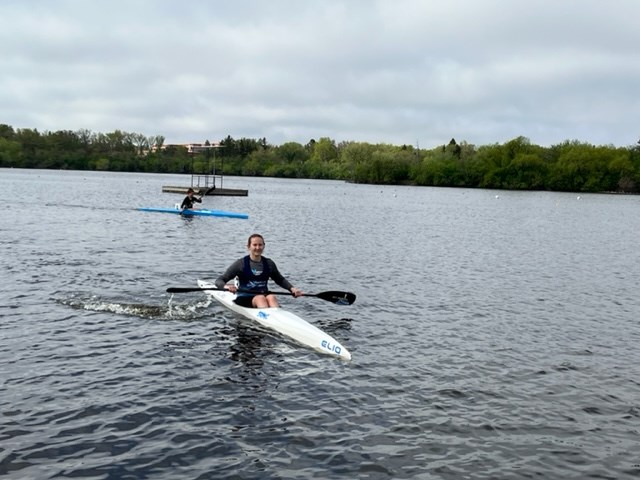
(195, 212)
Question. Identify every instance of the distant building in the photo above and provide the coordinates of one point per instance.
(191, 147)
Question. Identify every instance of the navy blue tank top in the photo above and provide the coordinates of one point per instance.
(252, 280)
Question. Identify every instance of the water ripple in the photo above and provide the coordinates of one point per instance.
(489, 340)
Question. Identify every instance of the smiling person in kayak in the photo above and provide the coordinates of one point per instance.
(253, 272)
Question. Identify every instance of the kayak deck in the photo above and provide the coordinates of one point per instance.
(195, 212)
(283, 322)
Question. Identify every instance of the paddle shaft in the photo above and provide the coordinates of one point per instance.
(340, 298)
(201, 289)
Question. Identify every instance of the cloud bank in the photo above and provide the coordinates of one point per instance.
(400, 72)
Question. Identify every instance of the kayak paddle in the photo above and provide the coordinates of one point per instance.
(333, 296)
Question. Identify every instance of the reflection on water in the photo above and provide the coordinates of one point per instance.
(247, 347)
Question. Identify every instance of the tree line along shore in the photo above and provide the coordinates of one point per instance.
(514, 165)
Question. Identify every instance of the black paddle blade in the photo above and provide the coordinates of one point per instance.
(339, 298)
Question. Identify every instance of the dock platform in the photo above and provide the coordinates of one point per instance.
(219, 191)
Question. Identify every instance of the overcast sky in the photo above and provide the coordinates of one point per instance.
(389, 71)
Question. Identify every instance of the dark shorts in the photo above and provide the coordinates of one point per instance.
(245, 301)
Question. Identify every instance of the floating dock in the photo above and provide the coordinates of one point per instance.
(210, 183)
(223, 192)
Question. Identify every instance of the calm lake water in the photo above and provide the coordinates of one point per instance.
(494, 335)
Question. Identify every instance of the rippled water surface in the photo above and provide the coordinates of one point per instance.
(494, 335)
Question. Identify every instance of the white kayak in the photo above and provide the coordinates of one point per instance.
(282, 321)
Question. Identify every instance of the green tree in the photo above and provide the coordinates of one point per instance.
(324, 151)
(525, 171)
(290, 159)
(10, 152)
(7, 132)
(354, 158)
(623, 173)
(32, 148)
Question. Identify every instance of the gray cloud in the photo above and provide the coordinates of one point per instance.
(395, 71)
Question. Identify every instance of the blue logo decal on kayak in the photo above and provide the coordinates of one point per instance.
(263, 315)
(331, 347)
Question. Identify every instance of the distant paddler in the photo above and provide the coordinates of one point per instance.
(187, 203)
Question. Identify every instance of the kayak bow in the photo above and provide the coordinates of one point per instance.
(283, 322)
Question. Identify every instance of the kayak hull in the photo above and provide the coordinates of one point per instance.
(195, 212)
(282, 321)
